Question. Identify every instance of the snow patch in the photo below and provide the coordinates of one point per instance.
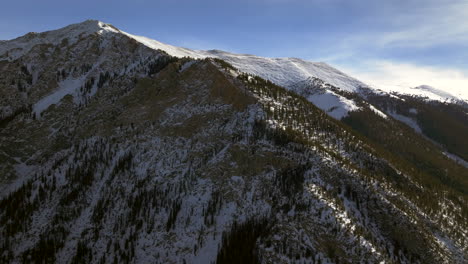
(282, 71)
(187, 65)
(426, 91)
(333, 104)
(377, 111)
(457, 159)
(67, 86)
(407, 120)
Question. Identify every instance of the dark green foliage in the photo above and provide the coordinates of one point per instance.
(99, 211)
(24, 70)
(83, 254)
(88, 86)
(64, 74)
(409, 150)
(225, 65)
(173, 215)
(239, 245)
(140, 204)
(278, 136)
(159, 64)
(299, 116)
(291, 180)
(82, 175)
(85, 68)
(445, 123)
(44, 252)
(21, 110)
(214, 205)
(47, 247)
(379, 158)
(103, 78)
(124, 163)
(11, 218)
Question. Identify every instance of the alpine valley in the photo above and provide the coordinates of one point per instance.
(116, 148)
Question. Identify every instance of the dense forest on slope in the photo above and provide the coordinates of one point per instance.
(443, 122)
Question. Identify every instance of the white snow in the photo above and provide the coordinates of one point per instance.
(287, 71)
(457, 159)
(19, 46)
(67, 86)
(407, 120)
(433, 93)
(335, 105)
(187, 65)
(427, 91)
(377, 111)
(282, 71)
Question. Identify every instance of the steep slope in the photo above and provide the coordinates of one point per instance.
(286, 72)
(442, 122)
(282, 71)
(116, 152)
(289, 72)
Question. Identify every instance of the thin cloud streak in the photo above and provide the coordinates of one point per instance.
(397, 76)
(431, 26)
(434, 27)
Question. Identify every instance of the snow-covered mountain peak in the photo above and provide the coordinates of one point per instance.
(286, 72)
(15, 48)
(282, 71)
(88, 26)
(291, 73)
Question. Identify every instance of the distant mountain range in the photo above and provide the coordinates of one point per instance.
(118, 148)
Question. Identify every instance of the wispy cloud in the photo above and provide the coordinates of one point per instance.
(397, 76)
(437, 24)
(416, 26)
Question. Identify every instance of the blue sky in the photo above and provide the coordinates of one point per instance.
(392, 42)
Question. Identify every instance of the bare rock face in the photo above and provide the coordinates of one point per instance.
(113, 151)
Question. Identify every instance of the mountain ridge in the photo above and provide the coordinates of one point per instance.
(297, 69)
(150, 158)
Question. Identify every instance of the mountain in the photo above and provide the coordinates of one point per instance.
(115, 149)
(302, 76)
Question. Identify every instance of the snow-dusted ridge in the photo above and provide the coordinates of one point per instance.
(13, 49)
(433, 93)
(286, 72)
(282, 71)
